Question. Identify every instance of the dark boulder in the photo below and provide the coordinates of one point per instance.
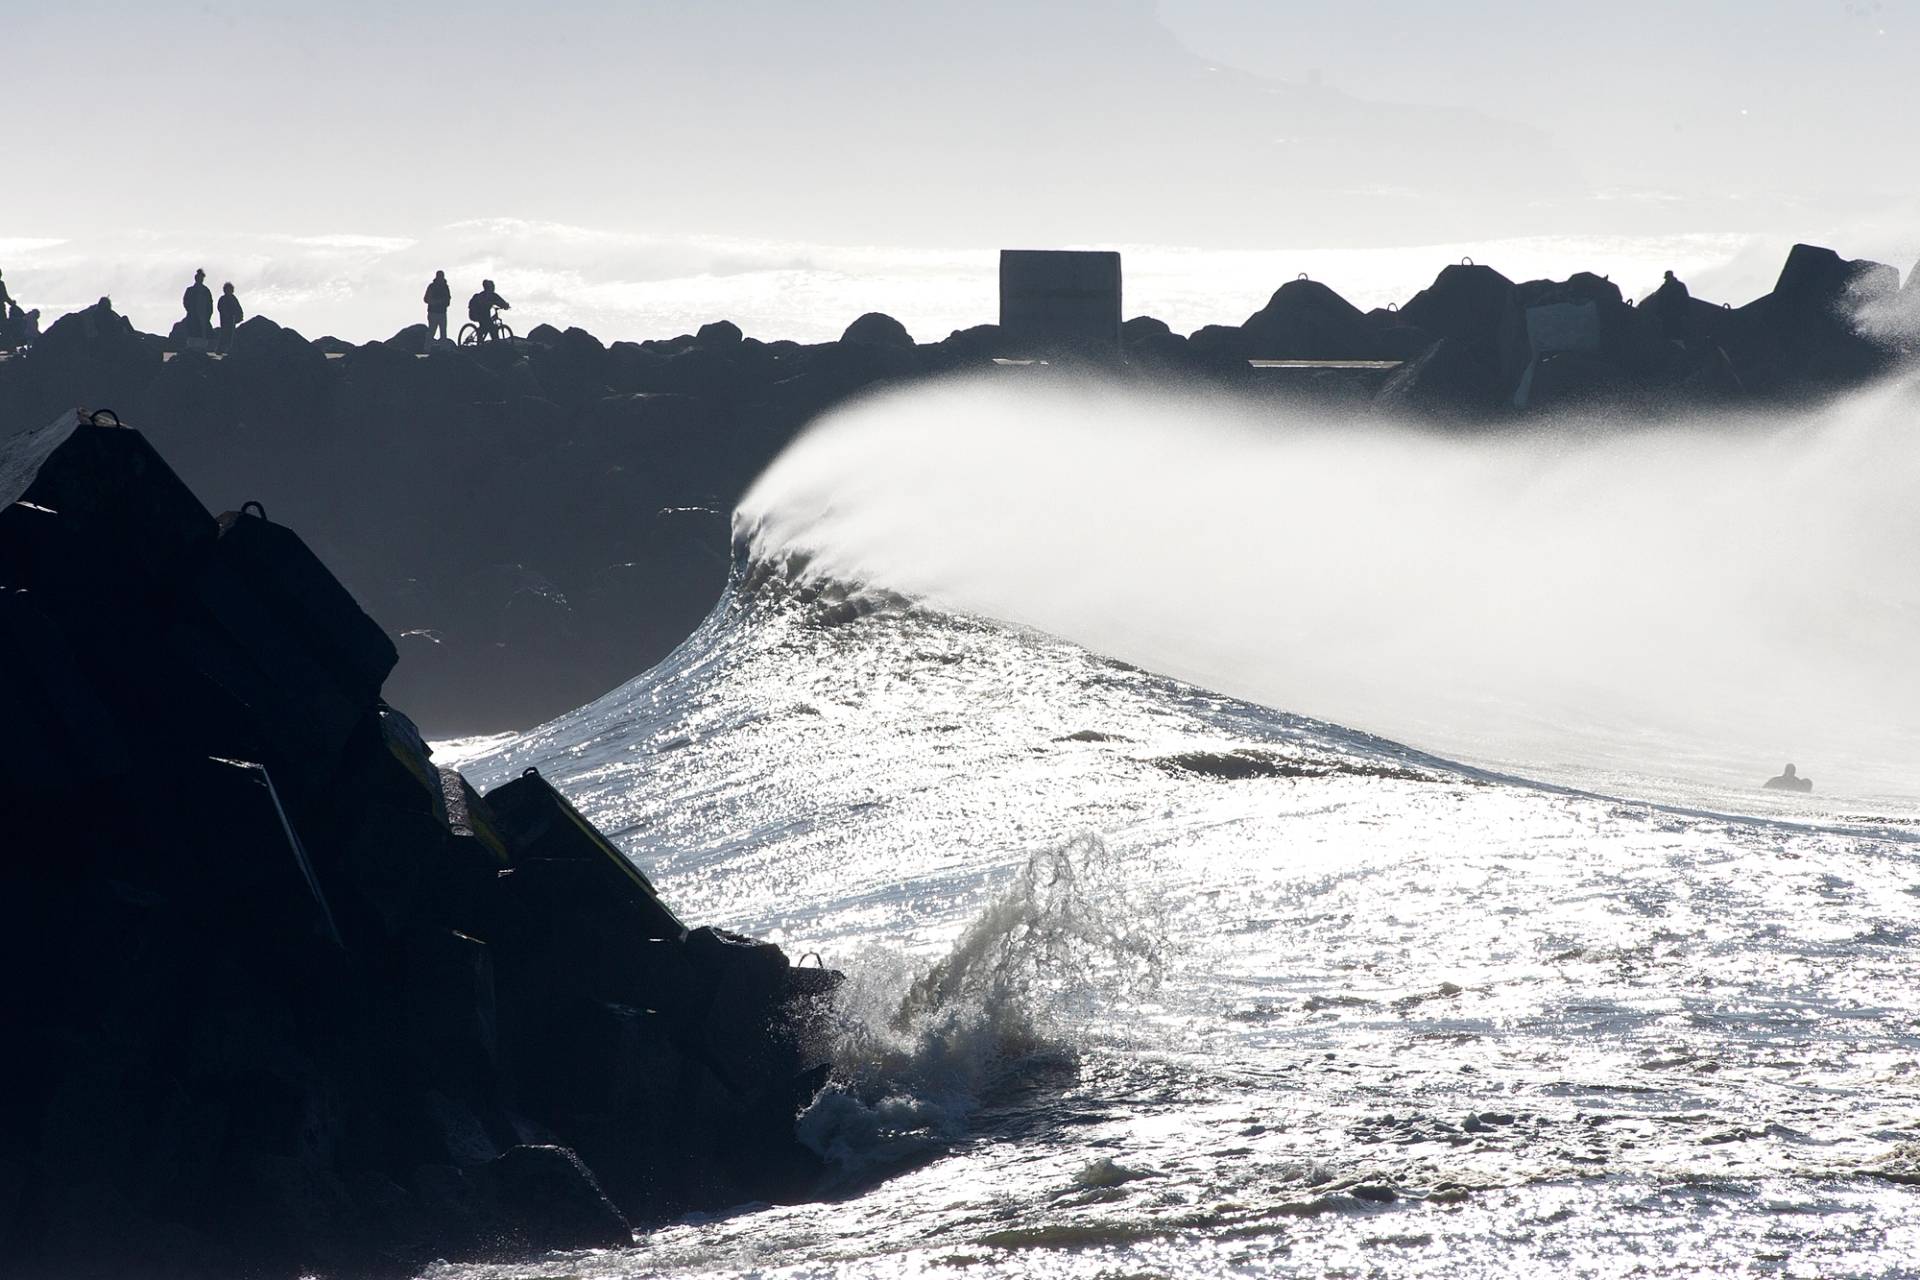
(297, 664)
(831, 372)
(260, 339)
(411, 340)
(92, 356)
(1305, 320)
(541, 824)
(1146, 330)
(57, 723)
(1816, 279)
(1221, 350)
(719, 334)
(1476, 308)
(99, 529)
(573, 366)
(1807, 334)
(1450, 381)
(1150, 343)
(974, 345)
(875, 329)
(1574, 381)
(1581, 286)
(1394, 338)
(551, 1201)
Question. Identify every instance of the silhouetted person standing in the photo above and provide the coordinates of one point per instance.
(6, 299)
(198, 301)
(439, 297)
(1671, 303)
(481, 306)
(230, 316)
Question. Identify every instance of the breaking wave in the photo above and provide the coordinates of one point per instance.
(1693, 600)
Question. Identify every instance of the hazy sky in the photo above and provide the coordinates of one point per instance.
(946, 126)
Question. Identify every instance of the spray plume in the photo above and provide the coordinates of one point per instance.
(1696, 599)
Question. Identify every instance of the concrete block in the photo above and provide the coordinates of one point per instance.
(1055, 301)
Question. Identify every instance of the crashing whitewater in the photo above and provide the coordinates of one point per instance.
(1147, 979)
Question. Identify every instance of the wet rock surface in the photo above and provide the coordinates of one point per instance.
(536, 520)
(288, 998)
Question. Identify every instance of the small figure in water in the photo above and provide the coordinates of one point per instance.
(482, 305)
(439, 297)
(198, 301)
(230, 316)
(1789, 781)
(1670, 303)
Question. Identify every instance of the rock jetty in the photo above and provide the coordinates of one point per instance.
(537, 520)
(284, 996)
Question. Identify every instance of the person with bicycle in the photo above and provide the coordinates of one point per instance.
(483, 308)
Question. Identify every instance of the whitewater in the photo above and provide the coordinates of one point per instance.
(1485, 956)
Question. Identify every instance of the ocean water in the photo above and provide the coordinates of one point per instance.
(1148, 980)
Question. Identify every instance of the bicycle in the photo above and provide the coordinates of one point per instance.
(472, 335)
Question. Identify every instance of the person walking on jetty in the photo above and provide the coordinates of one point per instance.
(439, 297)
(1671, 302)
(230, 316)
(482, 305)
(198, 301)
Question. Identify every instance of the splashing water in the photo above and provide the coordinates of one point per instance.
(919, 1048)
(1694, 601)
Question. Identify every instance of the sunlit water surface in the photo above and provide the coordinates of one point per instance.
(1362, 1012)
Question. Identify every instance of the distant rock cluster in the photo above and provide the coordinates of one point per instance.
(1476, 346)
(285, 997)
(538, 520)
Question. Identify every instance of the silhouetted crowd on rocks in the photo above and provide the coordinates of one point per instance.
(209, 324)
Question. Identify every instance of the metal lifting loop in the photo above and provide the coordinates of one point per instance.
(254, 507)
(112, 418)
(529, 772)
(1393, 306)
(817, 961)
(1301, 276)
(1466, 262)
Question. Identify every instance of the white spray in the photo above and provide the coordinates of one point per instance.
(1700, 599)
(1074, 937)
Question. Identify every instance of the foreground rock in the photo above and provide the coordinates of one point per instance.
(284, 996)
(536, 521)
